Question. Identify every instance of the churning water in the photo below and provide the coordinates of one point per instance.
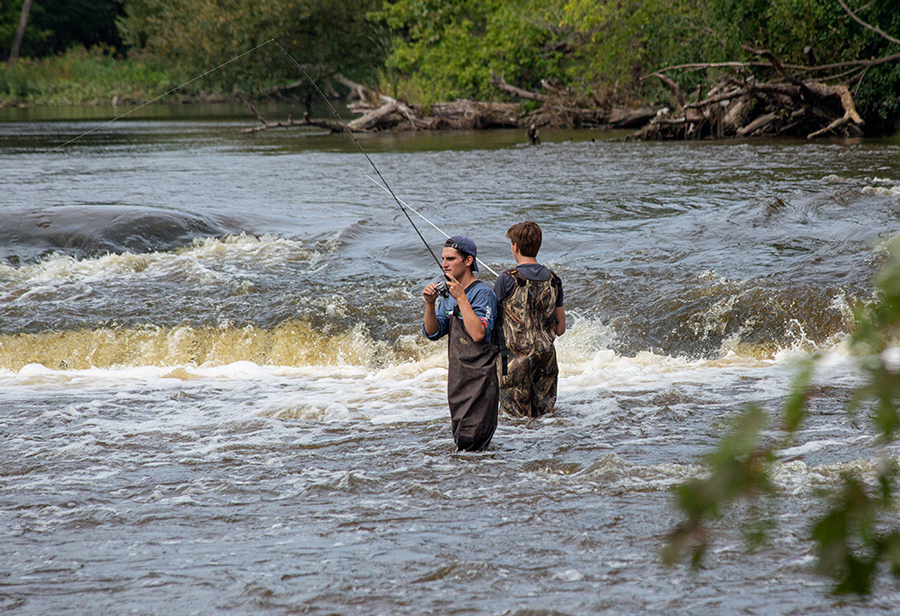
(214, 396)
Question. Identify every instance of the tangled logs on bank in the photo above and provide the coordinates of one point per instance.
(379, 112)
(791, 103)
(740, 105)
(747, 107)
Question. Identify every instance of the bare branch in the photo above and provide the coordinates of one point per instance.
(866, 25)
(500, 83)
(774, 61)
(253, 110)
(858, 63)
(704, 65)
(676, 89)
(726, 96)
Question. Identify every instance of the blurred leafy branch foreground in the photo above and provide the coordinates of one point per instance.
(857, 533)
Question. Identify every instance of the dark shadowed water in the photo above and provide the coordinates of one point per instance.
(214, 397)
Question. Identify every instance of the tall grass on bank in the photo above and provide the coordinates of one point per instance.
(84, 76)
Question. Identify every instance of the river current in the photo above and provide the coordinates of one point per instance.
(215, 397)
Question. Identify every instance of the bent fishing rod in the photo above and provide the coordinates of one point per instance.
(441, 231)
(384, 184)
(442, 288)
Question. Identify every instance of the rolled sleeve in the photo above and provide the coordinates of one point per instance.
(484, 304)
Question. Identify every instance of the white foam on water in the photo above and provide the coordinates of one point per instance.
(592, 381)
(203, 261)
(881, 190)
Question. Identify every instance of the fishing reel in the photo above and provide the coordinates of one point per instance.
(442, 289)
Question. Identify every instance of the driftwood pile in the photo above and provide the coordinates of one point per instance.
(379, 112)
(740, 105)
(748, 107)
(791, 103)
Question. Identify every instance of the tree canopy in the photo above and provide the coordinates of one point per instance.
(56, 25)
(605, 48)
(326, 36)
(599, 51)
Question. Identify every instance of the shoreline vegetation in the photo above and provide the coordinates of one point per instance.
(785, 105)
(665, 69)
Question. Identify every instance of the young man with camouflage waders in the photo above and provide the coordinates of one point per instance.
(532, 316)
(466, 315)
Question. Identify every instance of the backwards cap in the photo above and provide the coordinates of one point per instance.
(464, 245)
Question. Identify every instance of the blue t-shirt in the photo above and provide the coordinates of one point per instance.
(484, 304)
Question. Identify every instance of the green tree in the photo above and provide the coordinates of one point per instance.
(326, 36)
(444, 50)
(56, 25)
(597, 47)
(788, 27)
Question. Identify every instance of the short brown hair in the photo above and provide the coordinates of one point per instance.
(528, 237)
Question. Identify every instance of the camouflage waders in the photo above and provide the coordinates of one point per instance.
(529, 327)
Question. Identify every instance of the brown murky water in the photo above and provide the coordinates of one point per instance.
(214, 396)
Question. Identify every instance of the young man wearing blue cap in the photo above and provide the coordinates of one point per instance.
(467, 318)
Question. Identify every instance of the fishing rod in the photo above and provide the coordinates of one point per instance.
(150, 102)
(442, 232)
(403, 207)
(384, 184)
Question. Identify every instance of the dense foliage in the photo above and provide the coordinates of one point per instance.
(326, 36)
(83, 76)
(606, 48)
(597, 51)
(56, 25)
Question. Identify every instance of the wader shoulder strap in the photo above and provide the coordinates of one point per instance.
(517, 276)
(554, 279)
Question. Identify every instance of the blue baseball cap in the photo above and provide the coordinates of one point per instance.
(464, 245)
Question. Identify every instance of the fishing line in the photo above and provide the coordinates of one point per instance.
(213, 70)
(442, 232)
(386, 186)
(403, 207)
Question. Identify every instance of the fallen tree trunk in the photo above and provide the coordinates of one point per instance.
(500, 83)
(381, 113)
(332, 125)
(397, 115)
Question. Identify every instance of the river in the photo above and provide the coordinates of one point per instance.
(215, 397)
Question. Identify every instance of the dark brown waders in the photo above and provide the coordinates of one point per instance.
(472, 388)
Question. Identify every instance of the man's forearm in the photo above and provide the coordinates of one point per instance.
(431, 322)
(471, 322)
